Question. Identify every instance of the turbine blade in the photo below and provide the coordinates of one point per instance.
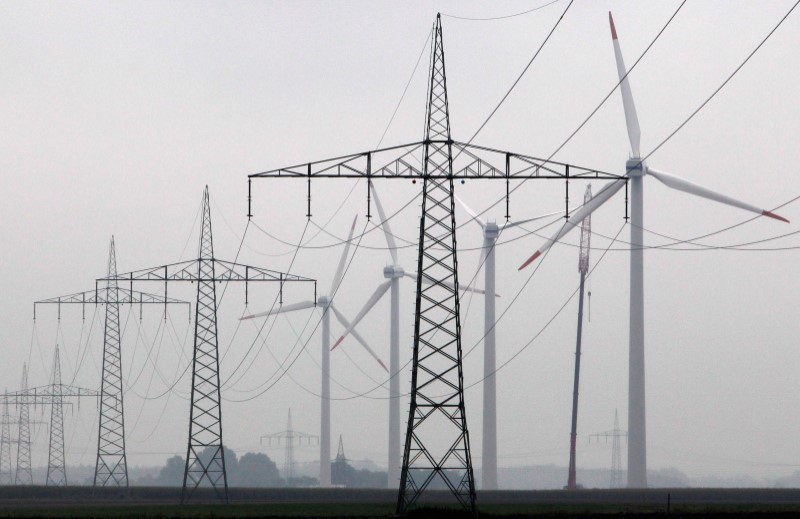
(686, 186)
(282, 309)
(508, 225)
(372, 301)
(480, 221)
(387, 231)
(577, 217)
(448, 284)
(337, 278)
(631, 119)
(350, 327)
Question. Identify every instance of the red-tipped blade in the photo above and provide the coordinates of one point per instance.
(613, 29)
(530, 260)
(338, 342)
(773, 215)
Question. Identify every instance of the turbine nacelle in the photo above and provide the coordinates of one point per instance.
(324, 301)
(491, 231)
(635, 167)
(393, 272)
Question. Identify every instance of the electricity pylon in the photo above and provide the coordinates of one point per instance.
(53, 395)
(289, 436)
(111, 467)
(617, 479)
(437, 439)
(24, 475)
(5, 446)
(205, 458)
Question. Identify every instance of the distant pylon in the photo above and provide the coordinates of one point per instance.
(111, 466)
(289, 462)
(340, 451)
(5, 446)
(205, 426)
(289, 436)
(617, 479)
(56, 466)
(24, 475)
(437, 440)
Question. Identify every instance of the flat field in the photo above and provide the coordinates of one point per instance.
(163, 503)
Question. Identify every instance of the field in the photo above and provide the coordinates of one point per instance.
(163, 503)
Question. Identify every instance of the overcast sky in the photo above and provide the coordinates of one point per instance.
(117, 114)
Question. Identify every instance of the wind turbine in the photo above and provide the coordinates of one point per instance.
(636, 170)
(325, 302)
(393, 273)
(491, 233)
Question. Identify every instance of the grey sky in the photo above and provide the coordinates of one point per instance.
(117, 114)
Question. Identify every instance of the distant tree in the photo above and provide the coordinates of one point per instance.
(342, 473)
(171, 475)
(255, 470)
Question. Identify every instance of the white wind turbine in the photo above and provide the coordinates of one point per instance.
(491, 233)
(393, 273)
(325, 303)
(636, 170)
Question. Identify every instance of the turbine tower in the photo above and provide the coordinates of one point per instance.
(325, 303)
(491, 233)
(635, 171)
(583, 267)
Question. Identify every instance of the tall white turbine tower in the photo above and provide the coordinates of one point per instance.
(394, 273)
(325, 303)
(491, 232)
(636, 170)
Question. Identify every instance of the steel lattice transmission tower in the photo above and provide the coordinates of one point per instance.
(290, 437)
(111, 464)
(53, 395)
(205, 458)
(437, 410)
(617, 478)
(437, 439)
(205, 426)
(56, 466)
(5, 446)
(24, 475)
